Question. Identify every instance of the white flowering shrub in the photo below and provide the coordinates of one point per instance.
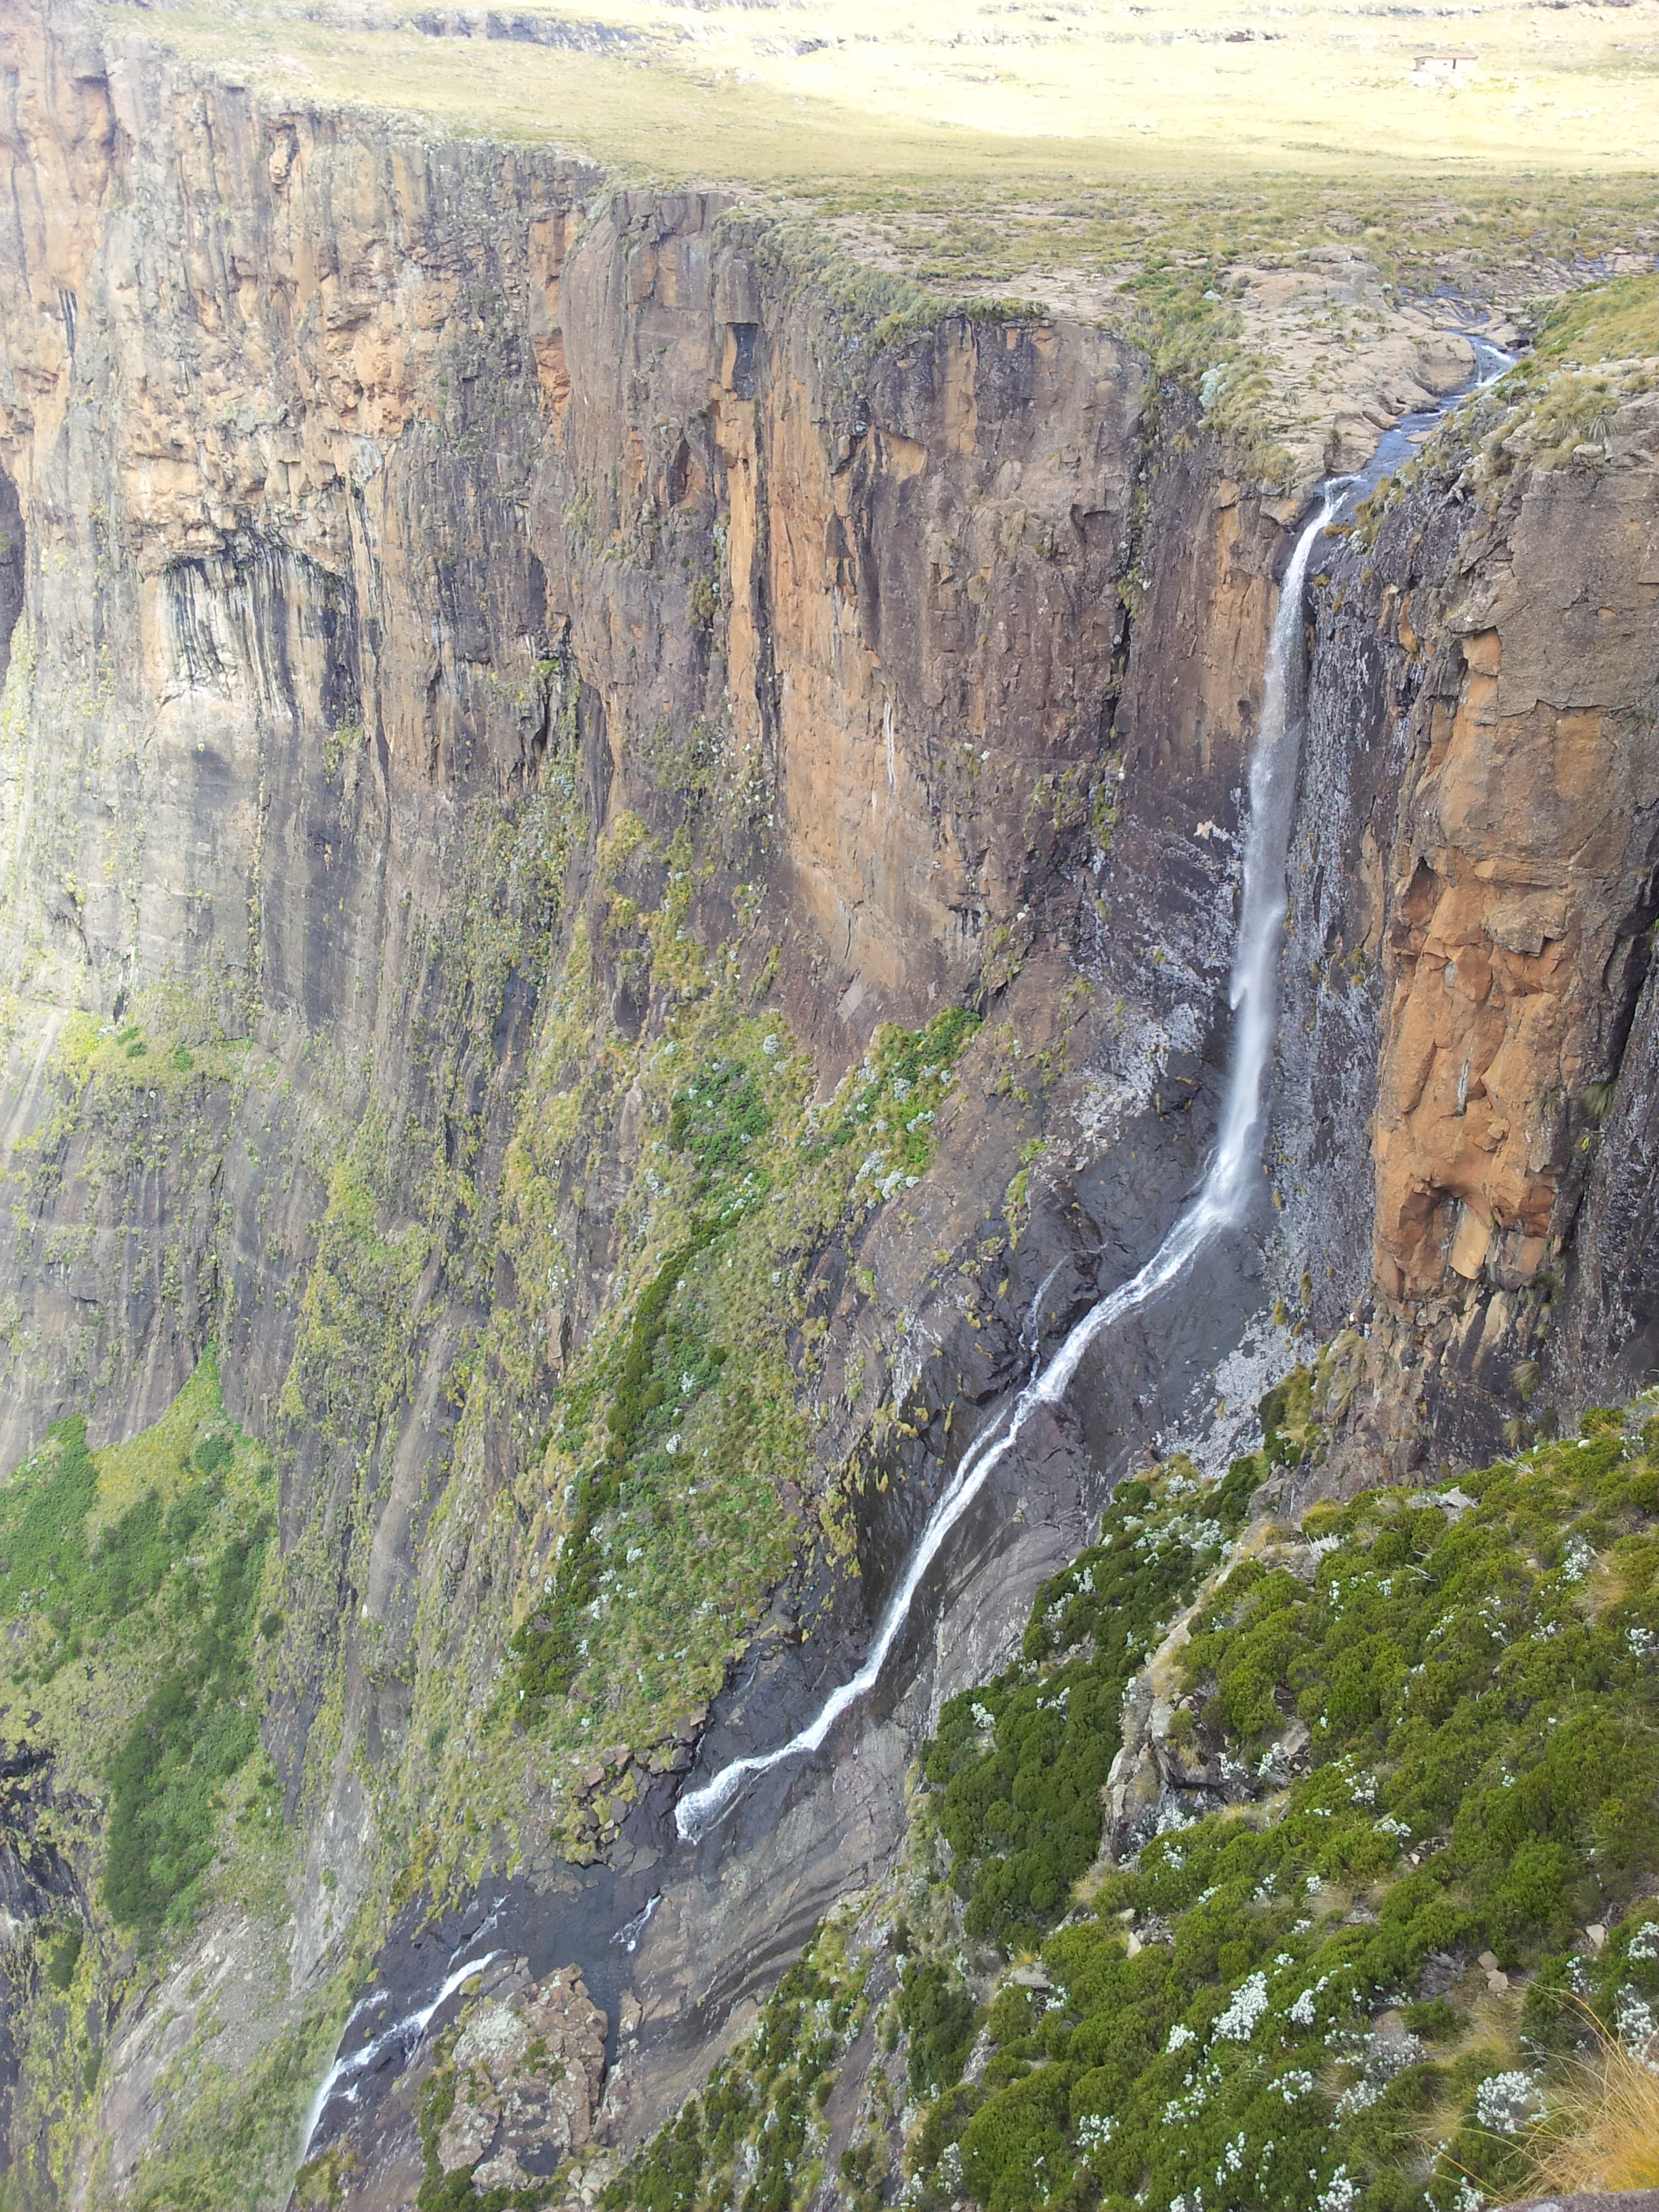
(1508, 2103)
(1238, 2023)
(1484, 1776)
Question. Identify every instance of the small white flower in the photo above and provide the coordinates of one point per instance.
(1641, 1642)
(1635, 2018)
(1578, 1561)
(1180, 2037)
(1094, 2131)
(1341, 2192)
(1641, 1944)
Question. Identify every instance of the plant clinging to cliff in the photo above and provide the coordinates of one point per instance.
(685, 1410)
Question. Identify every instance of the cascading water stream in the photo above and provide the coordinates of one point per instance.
(1224, 1197)
(1222, 1201)
(408, 2031)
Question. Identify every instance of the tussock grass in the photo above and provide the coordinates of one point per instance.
(1604, 2132)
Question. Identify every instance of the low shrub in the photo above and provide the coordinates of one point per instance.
(1484, 1779)
(1019, 1765)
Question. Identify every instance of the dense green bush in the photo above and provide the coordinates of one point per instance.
(548, 1646)
(874, 1137)
(894, 1096)
(168, 1585)
(63, 1957)
(937, 2015)
(197, 1728)
(1480, 1689)
(1020, 1764)
(717, 1118)
(43, 1509)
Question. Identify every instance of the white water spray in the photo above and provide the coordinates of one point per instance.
(1222, 1201)
(408, 2031)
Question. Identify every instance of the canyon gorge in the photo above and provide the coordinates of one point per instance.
(621, 848)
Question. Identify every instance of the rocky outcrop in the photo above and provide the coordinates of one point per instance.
(1521, 871)
(1471, 910)
(529, 2068)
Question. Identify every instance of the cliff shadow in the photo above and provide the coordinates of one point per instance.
(13, 569)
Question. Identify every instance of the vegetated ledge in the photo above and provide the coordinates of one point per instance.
(1376, 1920)
(141, 1589)
(1556, 409)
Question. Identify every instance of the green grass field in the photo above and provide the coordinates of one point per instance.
(777, 95)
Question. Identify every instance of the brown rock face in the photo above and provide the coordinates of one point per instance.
(1467, 1056)
(396, 536)
(905, 619)
(1522, 874)
(396, 459)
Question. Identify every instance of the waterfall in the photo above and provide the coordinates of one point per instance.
(1222, 1199)
(407, 2031)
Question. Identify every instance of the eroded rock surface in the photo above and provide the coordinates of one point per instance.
(529, 2071)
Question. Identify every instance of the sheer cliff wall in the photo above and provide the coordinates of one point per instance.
(434, 580)
(462, 620)
(1468, 1039)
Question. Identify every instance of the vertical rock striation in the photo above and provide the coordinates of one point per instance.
(1474, 905)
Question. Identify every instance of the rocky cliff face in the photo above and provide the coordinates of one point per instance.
(473, 635)
(1472, 936)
